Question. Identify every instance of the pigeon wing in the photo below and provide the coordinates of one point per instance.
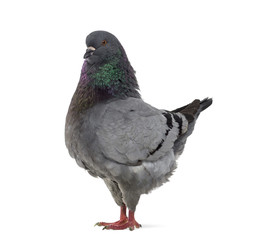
(131, 131)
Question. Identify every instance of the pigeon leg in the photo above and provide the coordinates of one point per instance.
(123, 218)
(131, 223)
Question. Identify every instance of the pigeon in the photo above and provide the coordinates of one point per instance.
(116, 136)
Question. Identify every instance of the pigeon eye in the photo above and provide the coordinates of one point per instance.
(104, 42)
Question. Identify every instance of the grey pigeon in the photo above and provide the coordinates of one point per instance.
(113, 134)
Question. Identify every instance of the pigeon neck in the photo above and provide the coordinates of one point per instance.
(115, 76)
(114, 79)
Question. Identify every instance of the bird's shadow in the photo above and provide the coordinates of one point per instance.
(152, 226)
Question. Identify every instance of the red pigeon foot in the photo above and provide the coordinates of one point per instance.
(131, 224)
(123, 219)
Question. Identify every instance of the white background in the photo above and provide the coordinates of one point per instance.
(181, 50)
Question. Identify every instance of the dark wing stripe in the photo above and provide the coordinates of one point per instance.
(179, 121)
(169, 119)
(170, 126)
(158, 147)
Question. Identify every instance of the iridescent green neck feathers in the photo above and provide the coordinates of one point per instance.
(112, 79)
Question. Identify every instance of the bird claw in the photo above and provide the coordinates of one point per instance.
(118, 223)
(131, 225)
(124, 222)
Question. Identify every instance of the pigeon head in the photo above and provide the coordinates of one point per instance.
(101, 47)
(106, 71)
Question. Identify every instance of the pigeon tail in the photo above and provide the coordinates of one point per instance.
(191, 113)
(204, 104)
(192, 110)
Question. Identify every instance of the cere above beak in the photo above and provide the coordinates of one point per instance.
(89, 52)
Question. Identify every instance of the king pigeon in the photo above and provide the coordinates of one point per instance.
(116, 136)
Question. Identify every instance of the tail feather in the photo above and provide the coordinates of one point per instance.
(204, 104)
(192, 110)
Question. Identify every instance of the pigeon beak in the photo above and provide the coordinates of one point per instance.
(89, 52)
